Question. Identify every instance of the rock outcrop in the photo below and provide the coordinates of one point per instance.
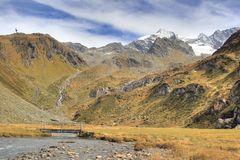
(235, 93)
(218, 105)
(136, 84)
(231, 119)
(98, 92)
(215, 64)
(190, 91)
(163, 46)
(32, 46)
(161, 90)
(140, 83)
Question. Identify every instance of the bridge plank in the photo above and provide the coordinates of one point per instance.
(77, 131)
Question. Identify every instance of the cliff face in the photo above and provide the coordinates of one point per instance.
(30, 47)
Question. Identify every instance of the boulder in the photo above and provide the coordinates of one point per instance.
(161, 90)
(136, 84)
(237, 127)
(224, 123)
(218, 106)
(235, 93)
(230, 119)
(191, 90)
(195, 88)
(178, 92)
(98, 92)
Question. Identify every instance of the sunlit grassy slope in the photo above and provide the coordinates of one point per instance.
(33, 67)
(138, 107)
(113, 73)
(15, 109)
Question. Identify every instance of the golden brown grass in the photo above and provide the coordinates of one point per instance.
(184, 143)
(9, 130)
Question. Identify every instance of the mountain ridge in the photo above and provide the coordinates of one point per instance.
(203, 94)
(201, 45)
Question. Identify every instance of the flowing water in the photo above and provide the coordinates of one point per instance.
(65, 147)
(63, 87)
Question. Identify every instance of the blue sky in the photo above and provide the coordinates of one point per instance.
(98, 22)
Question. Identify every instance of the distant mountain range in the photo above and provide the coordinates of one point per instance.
(165, 41)
(203, 44)
(156, 51)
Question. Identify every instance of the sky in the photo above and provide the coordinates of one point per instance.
(99, 22)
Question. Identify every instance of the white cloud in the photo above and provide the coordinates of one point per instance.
(62, 30)
(206, 18)
(198, 19)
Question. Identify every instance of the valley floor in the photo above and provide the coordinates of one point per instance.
(184, 143)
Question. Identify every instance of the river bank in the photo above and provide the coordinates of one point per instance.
(64, 148)
(184, 143)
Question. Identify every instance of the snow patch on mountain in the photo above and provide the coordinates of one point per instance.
(202, 49)
(209, 44)
(161, 33)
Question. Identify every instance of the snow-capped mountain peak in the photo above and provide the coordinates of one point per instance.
(161, 33)
(203, 44)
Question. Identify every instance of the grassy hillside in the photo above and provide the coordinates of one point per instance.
(14, 109)
(198, 95)
(115, 71)
(33, 67)
(94, 78)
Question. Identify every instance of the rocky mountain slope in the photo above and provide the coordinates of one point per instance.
(162, 53)
(143, 44)
(203, 94)
(32, 67)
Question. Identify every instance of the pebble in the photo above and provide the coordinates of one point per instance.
(98, 157)
(60, 152)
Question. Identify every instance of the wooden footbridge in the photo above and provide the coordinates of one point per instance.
(79, 132)
(74, 131)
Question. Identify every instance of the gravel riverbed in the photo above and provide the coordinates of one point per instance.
(69, 149)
